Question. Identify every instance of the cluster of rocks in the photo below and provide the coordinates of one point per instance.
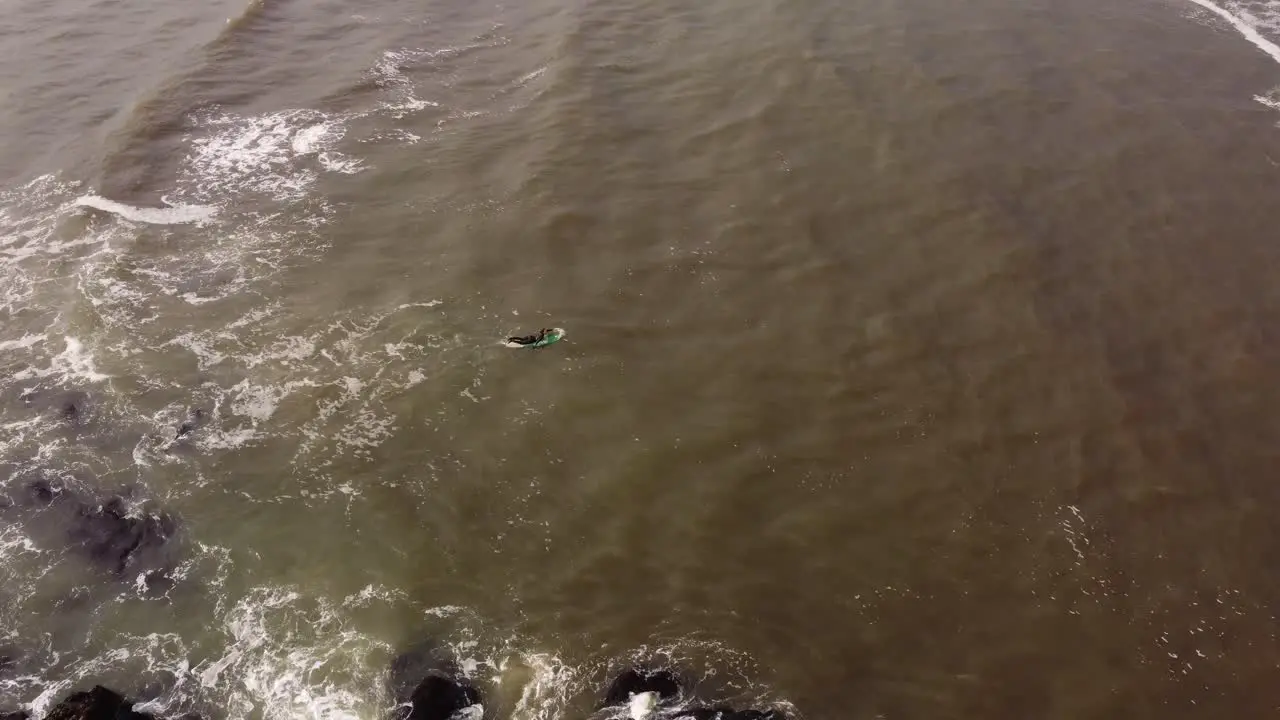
(96, 704)
(442, 692)
(126, 539)
(139, 547)
(132, 544)
(644, 694)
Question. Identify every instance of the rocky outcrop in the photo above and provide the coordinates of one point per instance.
(122, 540)
(99, 703)
(195, 419)
(439, 697)
(96, 704)
(427, 685)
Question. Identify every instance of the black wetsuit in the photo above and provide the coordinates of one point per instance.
(529, 339)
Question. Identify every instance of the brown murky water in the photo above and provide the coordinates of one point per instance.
(920, 358)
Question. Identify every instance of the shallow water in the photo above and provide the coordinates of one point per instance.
(920, 357)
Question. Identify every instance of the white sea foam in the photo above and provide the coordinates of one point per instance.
(290, 657)
(259, 402)
(339, 163)
(1245, 23)
(176, 215)
(73, 363)
(407, 106)
(263, 154)
(1270, 99)
(24, 342)
(314, 138)
(642, 705)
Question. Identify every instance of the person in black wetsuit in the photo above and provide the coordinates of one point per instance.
(530, 339)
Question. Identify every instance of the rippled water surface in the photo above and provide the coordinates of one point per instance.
(921, 356)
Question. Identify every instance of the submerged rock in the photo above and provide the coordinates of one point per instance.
(195, 419)
(410, 666)
(73, 408)
(96, 704)
(56, 510)
(643, 691)
(43, 492)
(119, 541)
(427, 685)
(439, 697)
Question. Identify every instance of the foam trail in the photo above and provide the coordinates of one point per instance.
(1245, 29)
(176, 215)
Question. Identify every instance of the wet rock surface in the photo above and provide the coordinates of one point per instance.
(427, 684)
(439, 696)
(96, 704)
(122, 538)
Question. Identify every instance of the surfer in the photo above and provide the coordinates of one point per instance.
(530, 339)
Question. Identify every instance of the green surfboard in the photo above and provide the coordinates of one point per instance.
(555, 336)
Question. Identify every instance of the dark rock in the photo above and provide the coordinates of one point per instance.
(73, 408)
(55, 510)
(194, 420)
(15, 715)
(96, 704)
(427, 684)
(409, 667)
(121, 542)
(634, 681)
(438, 697)
(44, 491)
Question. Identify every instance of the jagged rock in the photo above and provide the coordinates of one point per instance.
(195, 419)
(42, 492)
(439, 696)
(96, 704)
(129, 546)
(411, 666)
(634, 681)
(122, 542)
(427, 684)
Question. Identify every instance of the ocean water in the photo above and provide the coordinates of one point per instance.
(921, 357)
